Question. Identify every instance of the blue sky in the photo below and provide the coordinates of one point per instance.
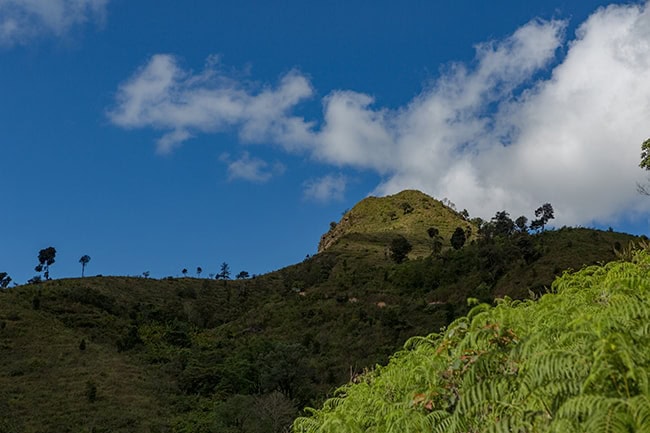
(154, 136)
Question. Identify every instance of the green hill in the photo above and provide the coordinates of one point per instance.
(576, 360)
(371, 224)
(199, 355)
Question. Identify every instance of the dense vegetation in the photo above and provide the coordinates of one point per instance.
(576, 360)
(117, 354)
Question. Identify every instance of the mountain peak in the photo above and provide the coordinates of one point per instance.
(375, 220)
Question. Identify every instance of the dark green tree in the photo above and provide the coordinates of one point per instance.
(544, 213)
(45, 260)
(84, 261)
(502, 224)
(522, 224)
(458, 238)
(242, 275)
(5, 279)
(198, 271)
(224, 273)
(184, 272)
(399, 249)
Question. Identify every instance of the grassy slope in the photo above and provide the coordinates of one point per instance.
(211, 345)
(370, 225)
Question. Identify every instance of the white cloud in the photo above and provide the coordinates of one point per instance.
(326, 188)
(252, 169)
(164, 96)
(499, 137)
(518, 128)
(23, 20)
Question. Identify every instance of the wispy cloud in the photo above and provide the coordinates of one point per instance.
(23, 20)
(164, 96)
(519, 127)
(325, 189)
(252, 169)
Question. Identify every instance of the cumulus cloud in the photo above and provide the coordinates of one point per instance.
(23, 20)
(497, 136)
(252, 169)
(326, 188)
(164, 96)
(535, 118)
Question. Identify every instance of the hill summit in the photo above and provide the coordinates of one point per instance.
(372, 222)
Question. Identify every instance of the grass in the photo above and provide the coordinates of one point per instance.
(194, 348)
(374, 222)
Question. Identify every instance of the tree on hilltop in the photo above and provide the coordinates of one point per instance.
(522, 224)
(503, 224)
(224, 273)
(544, 213)
(45, 260)
(84, 261)
(5, 279)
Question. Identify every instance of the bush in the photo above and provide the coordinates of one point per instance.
(577, 359)
(399, 249)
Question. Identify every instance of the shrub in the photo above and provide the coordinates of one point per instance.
(576, 360)
(399, 249)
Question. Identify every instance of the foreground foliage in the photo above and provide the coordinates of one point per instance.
(575, 360)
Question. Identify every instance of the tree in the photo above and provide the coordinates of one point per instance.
(184, 272)
(5, 279)
(458, 238)
(645, 155)
(242, 275)
(544, 213)
(522, 224)
(644, 164)
(45, 260)
(502, 224)
(84, 261)
(198, 271)
(224, 274)
(399, 249)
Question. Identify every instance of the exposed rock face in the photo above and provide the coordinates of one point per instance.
(328, 239)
